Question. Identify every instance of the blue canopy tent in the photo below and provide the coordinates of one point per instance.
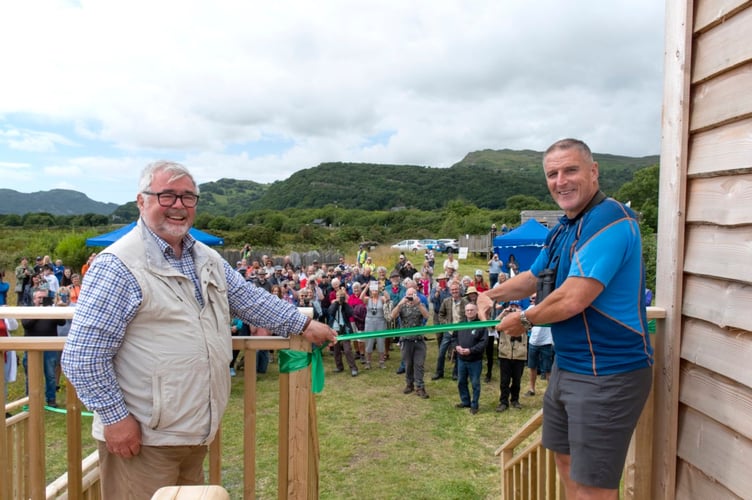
(107, 239)
(524, 242)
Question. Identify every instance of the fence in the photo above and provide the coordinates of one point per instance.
(22, 444)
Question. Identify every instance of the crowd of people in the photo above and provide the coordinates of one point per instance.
(46, 283)
(360, 296)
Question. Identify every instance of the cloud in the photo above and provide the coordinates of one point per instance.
(260, 90)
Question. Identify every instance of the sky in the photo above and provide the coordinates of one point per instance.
(92, 91)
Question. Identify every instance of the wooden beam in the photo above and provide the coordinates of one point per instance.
(725, 149)
(709, 13)
(724, 99)
(692, 483)
(720, 398)
(716, 450)
(721, 48)
(669, 276)
(723, 200)
(711, 348)
(720, 252)
(702, 296)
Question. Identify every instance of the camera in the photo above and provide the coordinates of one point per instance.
(545, 285)
(409, 298)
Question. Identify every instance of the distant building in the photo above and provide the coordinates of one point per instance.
(548, 218)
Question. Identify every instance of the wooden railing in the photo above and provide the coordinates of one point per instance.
(530, 473)
(22, 444)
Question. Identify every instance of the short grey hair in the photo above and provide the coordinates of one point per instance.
(569, 143)
(176, 170)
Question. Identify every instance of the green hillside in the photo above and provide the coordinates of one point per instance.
(489, 179)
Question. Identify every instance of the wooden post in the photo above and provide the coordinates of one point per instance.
(671, 222)
(295, 391)
(249, 423)
(5, 478)
(37, 459)
(75, 458)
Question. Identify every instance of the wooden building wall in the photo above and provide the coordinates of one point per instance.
(703, 411)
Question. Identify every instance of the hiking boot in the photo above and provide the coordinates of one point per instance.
(516, 405)
(421, 393)
(460, 405)
(502, 407)
(473, 411)
(408, 389)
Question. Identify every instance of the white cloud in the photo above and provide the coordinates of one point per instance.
(209, 83)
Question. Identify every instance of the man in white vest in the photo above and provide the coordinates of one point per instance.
(149, 347)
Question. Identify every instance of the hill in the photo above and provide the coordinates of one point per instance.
(54, 201)
(486, 178)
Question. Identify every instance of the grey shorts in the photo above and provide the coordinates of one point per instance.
(592, 419)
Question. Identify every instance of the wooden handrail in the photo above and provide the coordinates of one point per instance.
(298, 443)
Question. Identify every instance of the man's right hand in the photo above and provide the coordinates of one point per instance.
(123, 438)
(317, 333)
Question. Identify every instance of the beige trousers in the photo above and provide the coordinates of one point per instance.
(139, 477)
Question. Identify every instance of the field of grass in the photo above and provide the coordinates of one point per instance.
(375, 441)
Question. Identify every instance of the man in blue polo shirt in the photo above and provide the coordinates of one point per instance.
(590, 283)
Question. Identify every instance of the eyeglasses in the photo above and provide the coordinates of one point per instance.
(188, 200)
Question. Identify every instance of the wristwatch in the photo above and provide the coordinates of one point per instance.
(525, 322)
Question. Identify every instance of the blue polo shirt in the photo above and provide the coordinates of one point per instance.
(611, 335)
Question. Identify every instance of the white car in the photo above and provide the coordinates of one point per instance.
(409, 245)
(450, 244)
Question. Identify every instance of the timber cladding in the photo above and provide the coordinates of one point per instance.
(703, 430)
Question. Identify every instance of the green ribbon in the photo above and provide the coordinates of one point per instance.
(59, 410)
(292, 361)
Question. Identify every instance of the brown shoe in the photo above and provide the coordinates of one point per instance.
(408, 389)
(421, 393)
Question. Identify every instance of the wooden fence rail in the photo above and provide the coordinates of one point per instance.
(22, 442)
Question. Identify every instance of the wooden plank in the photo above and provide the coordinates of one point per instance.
(5, 461)
(723, 99)
(723, 201)
(74, 452)
(692, 483)
(296, 421)
(671, 215)
(720, 398)
(725, 46)
(716, 450)
(709, 13)
(725, 149)
(702, 294)
(719, 252)
(250, 419)
(711, 348)
(637, 475)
